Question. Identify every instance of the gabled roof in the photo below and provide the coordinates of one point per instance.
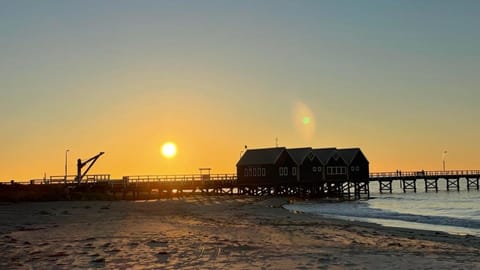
(324, 154)
(261, 156)
(299, 154)
(348, 154)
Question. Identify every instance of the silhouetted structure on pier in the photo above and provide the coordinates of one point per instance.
(325, 172)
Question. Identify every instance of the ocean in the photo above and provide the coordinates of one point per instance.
(454, 212)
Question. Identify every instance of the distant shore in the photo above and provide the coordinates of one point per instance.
(204, 232)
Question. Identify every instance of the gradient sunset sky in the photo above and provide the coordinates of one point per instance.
(400, 79)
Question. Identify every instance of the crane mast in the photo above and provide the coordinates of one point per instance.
(81, 164)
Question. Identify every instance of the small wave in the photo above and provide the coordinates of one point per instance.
(363, 211)
(397, 198)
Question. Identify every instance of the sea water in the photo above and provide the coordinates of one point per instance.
(455, 212)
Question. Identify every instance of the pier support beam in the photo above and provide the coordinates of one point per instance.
(361, 188)
(385, 185)
(472, 183)
(409, 184)
(453, 183)
(431, 184)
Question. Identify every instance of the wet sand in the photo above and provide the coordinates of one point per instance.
(213, 233)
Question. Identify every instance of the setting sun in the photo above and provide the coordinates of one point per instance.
(169, 149)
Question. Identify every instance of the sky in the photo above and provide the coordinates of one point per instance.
(399, 79)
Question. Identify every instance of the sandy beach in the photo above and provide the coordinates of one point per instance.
(227, 232)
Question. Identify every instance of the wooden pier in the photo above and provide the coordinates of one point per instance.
(408, 180)
(140, 187)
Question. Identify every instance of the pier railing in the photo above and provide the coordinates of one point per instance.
(401, 174)
(62, 179)
(89, 178)
(94, 178)
(177, 178)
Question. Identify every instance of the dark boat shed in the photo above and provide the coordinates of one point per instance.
(335, 168)
(308, 164)
(358, 165)
(266, 166)
(281, 165)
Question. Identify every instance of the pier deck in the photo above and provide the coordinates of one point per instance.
(162, 186)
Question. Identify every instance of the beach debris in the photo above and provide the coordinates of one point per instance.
(98, 260)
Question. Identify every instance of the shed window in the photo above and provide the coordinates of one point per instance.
(336, 170)
(283, 171)
(250, 172)
(245, 172)
(319, 169)
(254, 171)
(314, 169)
(264, 172)
(294, 171)
(357, 168)
(352, 169)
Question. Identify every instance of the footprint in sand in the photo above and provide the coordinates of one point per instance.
(162, 256)
(157, 243)
(133, 244)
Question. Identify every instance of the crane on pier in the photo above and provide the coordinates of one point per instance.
(81, 164)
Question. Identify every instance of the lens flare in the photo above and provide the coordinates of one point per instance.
(303, 120)
(306, 120)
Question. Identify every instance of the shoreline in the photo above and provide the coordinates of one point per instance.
(385, 222)
(394, 230)
(202, 232)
